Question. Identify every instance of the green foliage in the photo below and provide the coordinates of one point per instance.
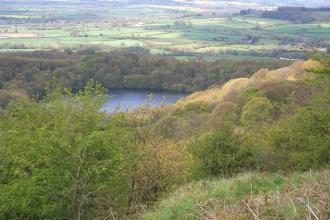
(31, 72)
(219, 152)
(252, 93)
(288, 131)
(4, 98)
(306, 143)
(195, 107)
(324, 59)
(55, 161)
(226, 111)
(257, 110)
(61, 158)
(298, 139)
(302, 140)
(135, 81)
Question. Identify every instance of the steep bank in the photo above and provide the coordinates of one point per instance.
(234, 87)
(249, 196)
(200, 111)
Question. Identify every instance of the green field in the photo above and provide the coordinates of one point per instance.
(159, 29)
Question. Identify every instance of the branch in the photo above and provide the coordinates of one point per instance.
(255, 216)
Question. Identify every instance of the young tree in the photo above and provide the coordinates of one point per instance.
(157, 163)
(55, 160)
(220, 152)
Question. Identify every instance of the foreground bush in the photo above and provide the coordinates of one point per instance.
(61, 159)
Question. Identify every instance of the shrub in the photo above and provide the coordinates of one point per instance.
(220, 152)
(226, 111)
(257, 110)
(56, 163)
(194, 107)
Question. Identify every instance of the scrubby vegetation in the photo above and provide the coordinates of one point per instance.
(61, 158)
(251, 141)
(272, 133)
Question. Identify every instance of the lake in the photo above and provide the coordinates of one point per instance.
(128, 99)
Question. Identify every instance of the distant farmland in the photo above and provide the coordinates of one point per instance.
(180, 31)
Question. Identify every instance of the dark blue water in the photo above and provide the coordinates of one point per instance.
(127, 99)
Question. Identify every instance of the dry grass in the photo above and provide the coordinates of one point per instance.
(310, 201)
(251, 196)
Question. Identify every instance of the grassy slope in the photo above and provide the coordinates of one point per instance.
(249, 196)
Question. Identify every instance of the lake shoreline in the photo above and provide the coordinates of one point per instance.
(122, 100)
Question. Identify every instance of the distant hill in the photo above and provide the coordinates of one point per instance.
(299, 14)
(293, 14)
(204, 3)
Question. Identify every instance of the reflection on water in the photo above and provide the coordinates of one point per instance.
(125, 99)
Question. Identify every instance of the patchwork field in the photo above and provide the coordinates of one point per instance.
(179, 31)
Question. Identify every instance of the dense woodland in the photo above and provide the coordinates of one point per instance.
(61, 158)
(29, 74)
